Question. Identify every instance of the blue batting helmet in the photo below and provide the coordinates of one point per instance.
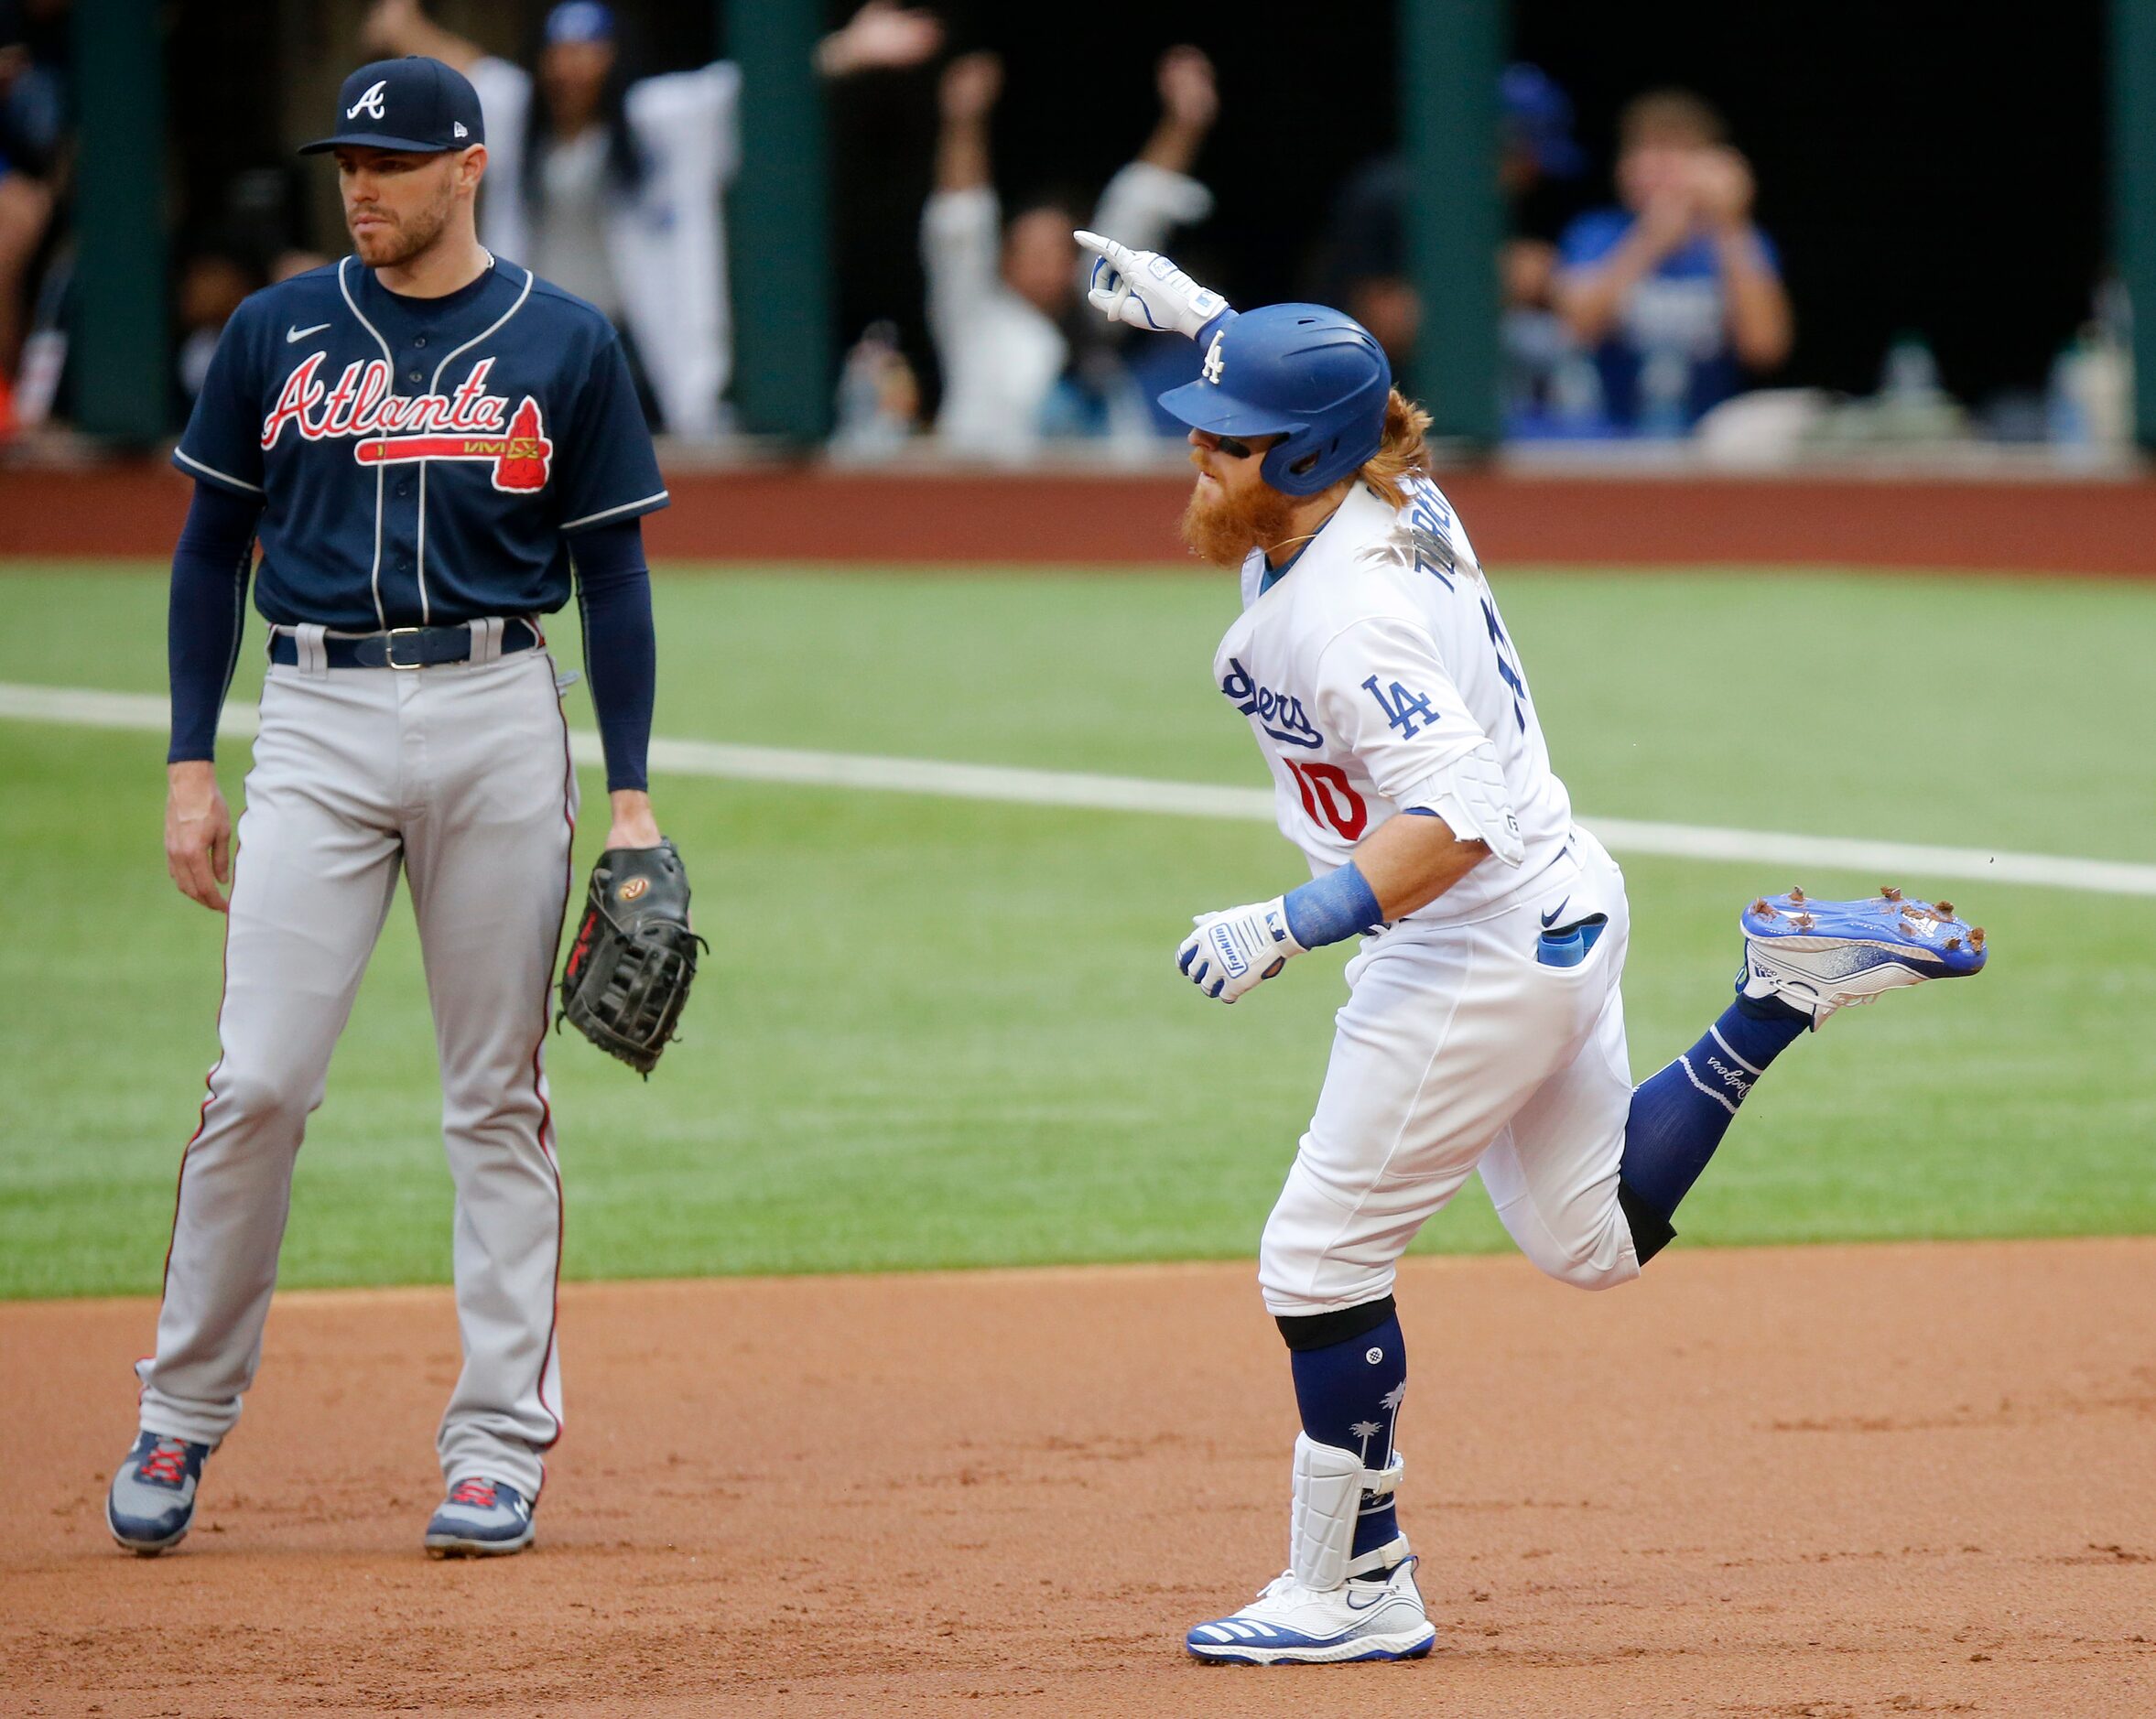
(1311, 375)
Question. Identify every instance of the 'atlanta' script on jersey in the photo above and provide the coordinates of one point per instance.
(389, 428)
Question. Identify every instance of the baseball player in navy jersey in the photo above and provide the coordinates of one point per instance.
(432, 448)
(1484, 1029)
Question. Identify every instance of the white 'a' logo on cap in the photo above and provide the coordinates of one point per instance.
(369, 103)
(1213, 366)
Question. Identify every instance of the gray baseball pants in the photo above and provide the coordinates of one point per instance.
(459, 776)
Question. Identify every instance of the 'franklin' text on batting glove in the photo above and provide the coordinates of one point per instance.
(1236, 951)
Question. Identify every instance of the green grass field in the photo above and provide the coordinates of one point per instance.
(937, 1032)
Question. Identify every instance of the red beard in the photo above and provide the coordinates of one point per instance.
(1224, 528)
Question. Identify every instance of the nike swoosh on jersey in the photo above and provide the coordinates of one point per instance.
(1550, 918)
(292, 335)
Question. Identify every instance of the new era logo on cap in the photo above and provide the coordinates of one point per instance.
(417, 106)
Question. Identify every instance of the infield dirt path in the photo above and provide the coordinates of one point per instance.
(1828, 1482)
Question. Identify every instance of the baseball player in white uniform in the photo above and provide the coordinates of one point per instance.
(1484, 1028)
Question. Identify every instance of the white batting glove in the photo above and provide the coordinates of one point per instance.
(1237, 951)
(1145, 289)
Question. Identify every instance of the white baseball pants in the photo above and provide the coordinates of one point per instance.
(459, 776)
(1457, 1051)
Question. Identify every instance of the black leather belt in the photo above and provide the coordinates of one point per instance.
(403, 647)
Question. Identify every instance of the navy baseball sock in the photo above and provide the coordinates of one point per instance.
(1679, 1115)
(1348, 1390)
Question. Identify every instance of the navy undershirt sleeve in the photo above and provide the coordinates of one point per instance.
(621, 653)
(208, 613)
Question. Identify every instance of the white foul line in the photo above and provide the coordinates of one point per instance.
(1915, 861)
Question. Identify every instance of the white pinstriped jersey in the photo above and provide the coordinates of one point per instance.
(1371, 664)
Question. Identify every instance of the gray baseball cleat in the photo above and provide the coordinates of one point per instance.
(480, 1519)
(152, 1501)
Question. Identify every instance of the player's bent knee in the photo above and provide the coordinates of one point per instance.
(1590, 1273)
(1596, 1257)
(264, 1098)
(1599, 1260)
(1299, 1279)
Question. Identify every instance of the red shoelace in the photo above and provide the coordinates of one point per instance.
(166, 1466)
(478, 1492)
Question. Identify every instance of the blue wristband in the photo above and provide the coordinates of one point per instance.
(1327, 909)
(1216, 325)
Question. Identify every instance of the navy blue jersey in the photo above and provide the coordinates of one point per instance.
(420, 462)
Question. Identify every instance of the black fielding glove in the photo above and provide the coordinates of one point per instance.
(634, 957)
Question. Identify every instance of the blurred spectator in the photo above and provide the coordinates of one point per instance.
(33, 82)
(211, 288)
(998, 295)
(2089, 405)
(608, 184)
(1538, 161)
(879, 401)
(32, 115)
(1676, 293)
(1367, 270)
(25, 208)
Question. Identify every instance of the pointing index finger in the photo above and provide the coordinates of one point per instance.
(1120, 255)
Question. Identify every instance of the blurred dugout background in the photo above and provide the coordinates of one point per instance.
(1939, 195)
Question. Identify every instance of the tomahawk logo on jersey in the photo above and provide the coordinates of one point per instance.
(466, 424)
(1371, 665)
(430, 454)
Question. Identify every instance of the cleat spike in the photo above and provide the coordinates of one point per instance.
(1822, 956)
(1796, 894)
(1888, 892)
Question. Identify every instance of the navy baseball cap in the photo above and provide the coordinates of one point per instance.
(581, 21)
(1538, 114)
(415, 104)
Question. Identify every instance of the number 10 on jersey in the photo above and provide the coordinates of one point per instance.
(1330, 798)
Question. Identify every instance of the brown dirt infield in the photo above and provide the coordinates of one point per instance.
(1828, 1482)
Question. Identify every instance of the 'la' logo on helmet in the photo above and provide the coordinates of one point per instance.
(1213, 365)
(369, 103)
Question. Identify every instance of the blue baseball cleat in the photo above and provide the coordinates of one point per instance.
(151, 1503)
(1817, 957)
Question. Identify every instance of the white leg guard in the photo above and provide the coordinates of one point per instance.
(1329, 1486)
